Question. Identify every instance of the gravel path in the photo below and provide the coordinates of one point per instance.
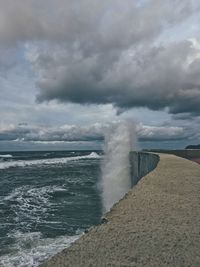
(156, 224)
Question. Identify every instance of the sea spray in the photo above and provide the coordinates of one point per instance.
(116, 180)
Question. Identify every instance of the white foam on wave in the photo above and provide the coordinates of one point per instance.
(30, 203)
(33, 192)
(31, 249)
(6, 156)
(51, 161)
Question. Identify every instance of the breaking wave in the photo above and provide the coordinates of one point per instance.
(7, 156)
(29, 205)
(44, 209)
(51, 161)
(31, 249)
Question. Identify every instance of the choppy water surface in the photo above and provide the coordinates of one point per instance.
(47, 199)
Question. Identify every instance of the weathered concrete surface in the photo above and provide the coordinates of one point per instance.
(141, 164)
(156, 224)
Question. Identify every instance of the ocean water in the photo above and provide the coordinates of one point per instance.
(47, 200)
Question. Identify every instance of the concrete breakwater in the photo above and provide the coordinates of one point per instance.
(141, 164)
(156, 224)
(183, 153)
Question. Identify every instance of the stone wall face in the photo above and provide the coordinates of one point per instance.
(141, 163)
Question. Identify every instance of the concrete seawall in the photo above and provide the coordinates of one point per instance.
(183, 153)
(141, 164)
(156, 224)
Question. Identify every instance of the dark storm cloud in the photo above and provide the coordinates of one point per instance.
(98, 52)
(183, 117)
(90, 23)
(155, 78)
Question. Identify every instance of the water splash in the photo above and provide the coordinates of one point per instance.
(116, 180)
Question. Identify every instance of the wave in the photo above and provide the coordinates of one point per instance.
(34, 192)
(24, 163)
(30, 203)
(31, 249)
(6, 156)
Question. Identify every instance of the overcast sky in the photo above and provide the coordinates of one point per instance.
(70, 69)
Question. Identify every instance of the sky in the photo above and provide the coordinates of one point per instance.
(71, 70)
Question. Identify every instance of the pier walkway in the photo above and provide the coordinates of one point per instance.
(156, 224)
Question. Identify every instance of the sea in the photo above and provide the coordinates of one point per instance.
(47, 201)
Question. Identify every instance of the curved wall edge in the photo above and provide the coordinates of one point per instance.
(141, 163)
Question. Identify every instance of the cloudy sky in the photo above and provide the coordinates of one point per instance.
(69, 69)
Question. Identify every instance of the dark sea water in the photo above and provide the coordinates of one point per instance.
(47, 200)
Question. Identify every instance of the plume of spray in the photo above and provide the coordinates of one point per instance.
(116, 180)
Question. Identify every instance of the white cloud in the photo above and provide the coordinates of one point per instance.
(93, 132)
